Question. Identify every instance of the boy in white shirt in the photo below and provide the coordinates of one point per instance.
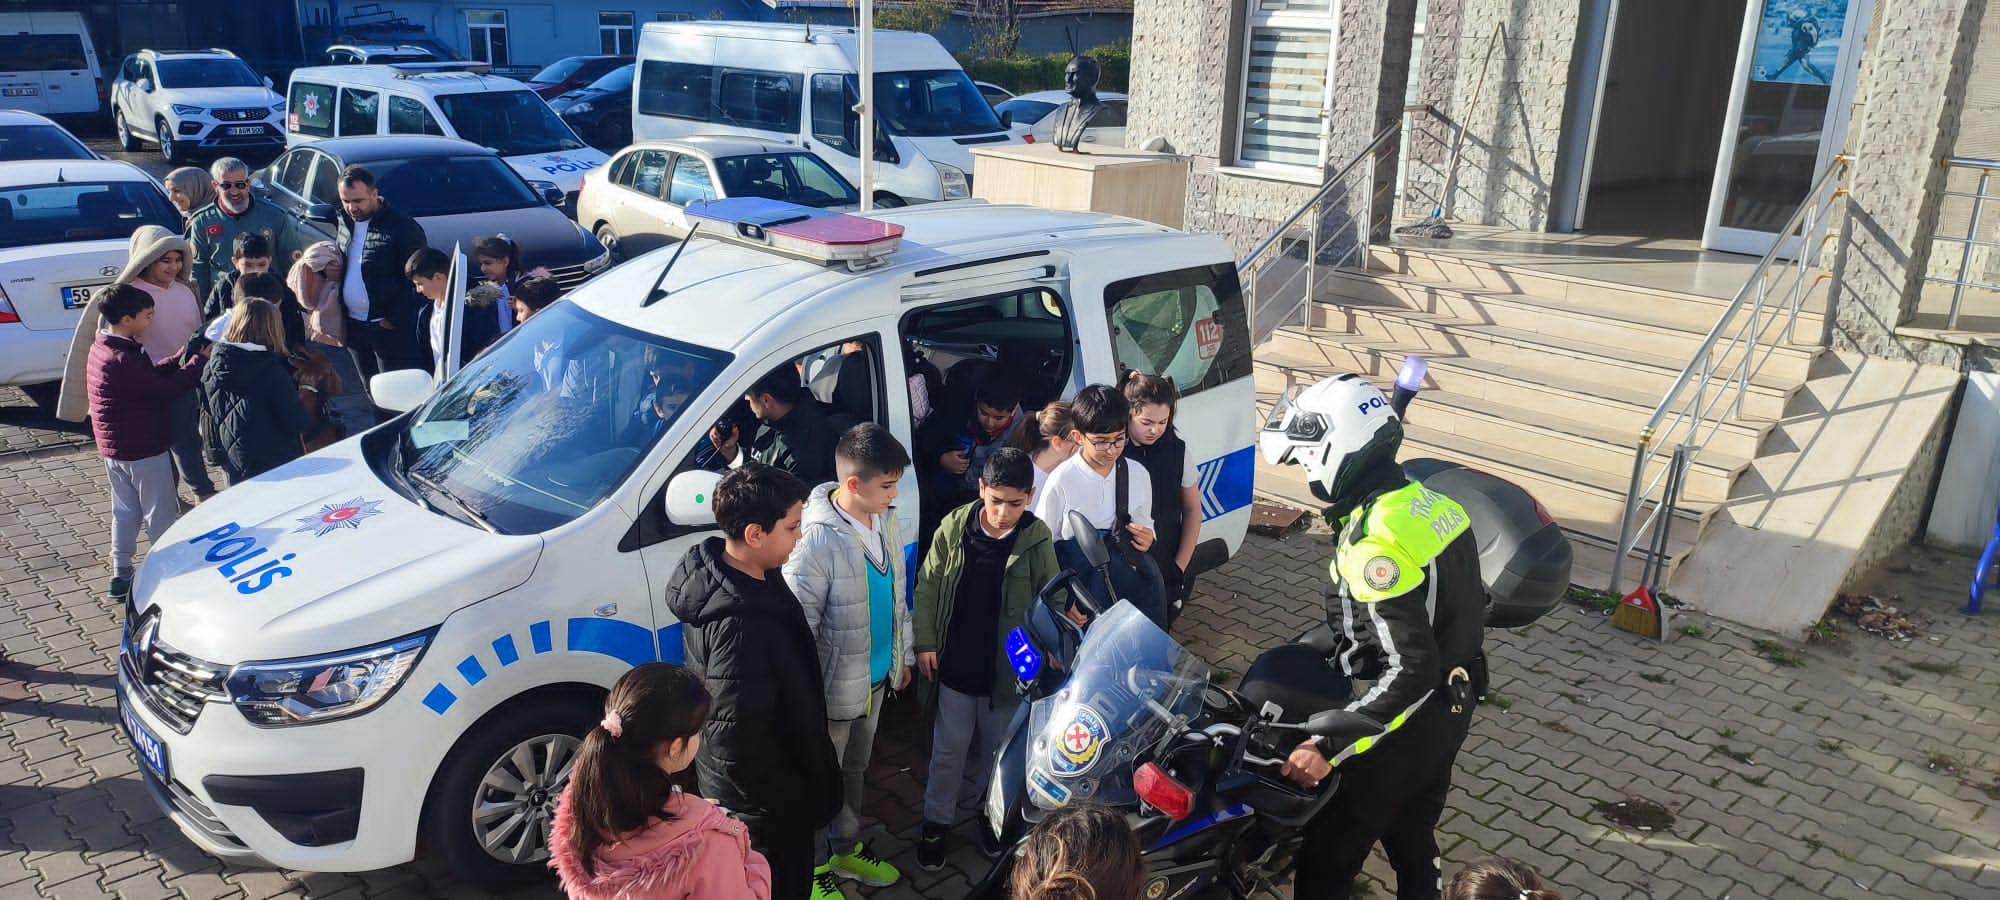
(1088, 483)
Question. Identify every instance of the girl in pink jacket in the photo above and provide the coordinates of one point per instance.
(623, 831)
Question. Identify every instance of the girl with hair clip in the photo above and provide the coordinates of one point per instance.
(1498, 878)
(1048, 443)
(1080, 851)
(1154, 443)
(624, 829)
(499, 261)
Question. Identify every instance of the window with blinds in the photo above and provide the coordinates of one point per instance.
(1289, 53)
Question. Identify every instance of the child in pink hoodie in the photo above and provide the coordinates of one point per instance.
(624, 831)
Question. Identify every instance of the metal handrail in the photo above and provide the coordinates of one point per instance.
(1986, 168)
(1254, 262)
(1678, 422)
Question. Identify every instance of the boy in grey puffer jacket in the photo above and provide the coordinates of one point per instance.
(848, 572)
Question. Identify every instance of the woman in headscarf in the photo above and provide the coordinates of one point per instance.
(316, 281)
(190, 189)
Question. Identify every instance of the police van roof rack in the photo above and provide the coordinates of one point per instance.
(405, 70)
(802, 232)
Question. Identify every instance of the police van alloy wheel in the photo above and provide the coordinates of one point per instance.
(168, 150)
(496, 795)
(127, 141)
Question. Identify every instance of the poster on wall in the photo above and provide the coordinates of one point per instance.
(1798, 41)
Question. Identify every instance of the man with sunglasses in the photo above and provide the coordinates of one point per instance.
(1407, 610)
(212, 229)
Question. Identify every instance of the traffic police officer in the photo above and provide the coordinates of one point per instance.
(1408, 608)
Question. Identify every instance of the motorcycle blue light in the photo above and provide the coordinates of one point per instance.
(1022, 655)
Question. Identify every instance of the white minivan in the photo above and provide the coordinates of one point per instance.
(453, 100)
(797, 84)
(48, 64)
(403, 637)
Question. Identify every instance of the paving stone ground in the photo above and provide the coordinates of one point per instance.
(1868, 770)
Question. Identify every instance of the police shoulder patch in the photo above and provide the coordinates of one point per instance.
(1381, 573)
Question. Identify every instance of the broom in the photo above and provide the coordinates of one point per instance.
(1640, 612)
(1433, 226)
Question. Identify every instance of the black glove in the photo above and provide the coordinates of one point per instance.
(196, 345)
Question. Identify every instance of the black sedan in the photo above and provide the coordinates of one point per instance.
(456, 189)
(601, 112)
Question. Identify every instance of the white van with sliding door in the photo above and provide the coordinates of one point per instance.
(450, 99)
(798, 84)
(48, 64)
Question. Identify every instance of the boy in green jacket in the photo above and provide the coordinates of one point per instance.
(988, 561)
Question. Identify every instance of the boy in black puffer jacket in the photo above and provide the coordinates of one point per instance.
(250, 394)
(765, 754)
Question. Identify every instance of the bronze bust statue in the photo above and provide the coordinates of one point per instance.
(1080, 79)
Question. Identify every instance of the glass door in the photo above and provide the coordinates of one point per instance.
(1787, 116)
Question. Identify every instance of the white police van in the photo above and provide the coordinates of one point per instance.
(451, 99)
(405, 634)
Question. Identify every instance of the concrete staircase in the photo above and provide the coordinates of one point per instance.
(1543, 379)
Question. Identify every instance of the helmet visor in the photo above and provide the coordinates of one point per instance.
(1289, 427)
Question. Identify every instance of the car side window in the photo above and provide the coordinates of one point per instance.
(325, 183)
(130, 70)
(1111, 116)
(622, 169)
(358, 111)
(1025, 332)
(650, 173)
(410, 116)
(767, 100)
(680, 90)
(691, 181)
(292, 172)
(833, 120)
(1186, 324)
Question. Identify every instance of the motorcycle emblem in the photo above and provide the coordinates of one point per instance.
(335, 516)
(1079, 742)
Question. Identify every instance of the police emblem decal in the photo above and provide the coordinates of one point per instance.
(1381, 573)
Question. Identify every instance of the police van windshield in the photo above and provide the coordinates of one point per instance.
(510, 123)
(547, 423)
(934, 103)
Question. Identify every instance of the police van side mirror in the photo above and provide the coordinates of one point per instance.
(402, 390)
(689, 498)
(1006, 118)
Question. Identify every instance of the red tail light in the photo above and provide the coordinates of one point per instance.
(1162, 792)
(7, 314)
(1027, 139)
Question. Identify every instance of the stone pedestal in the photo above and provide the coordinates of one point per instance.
(1135, 183)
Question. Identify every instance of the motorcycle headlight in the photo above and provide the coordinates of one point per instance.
(321, 688)
(182, 109)
(952, 183)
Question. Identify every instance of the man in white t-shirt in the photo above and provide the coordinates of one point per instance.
(1088, 483)
(376, 239)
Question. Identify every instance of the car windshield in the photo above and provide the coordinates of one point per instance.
(616, 80)
(206, 72)
(40, 142)
(931, 103)
(549, 421)
(451, 185)
(510, 123)
(559, 71)
(1026, 112)
(81, 211)
(793, 177)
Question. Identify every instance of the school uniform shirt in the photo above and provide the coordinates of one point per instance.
(176, 317)
(1074, 485)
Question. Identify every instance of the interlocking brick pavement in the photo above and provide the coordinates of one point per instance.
(1869, 771)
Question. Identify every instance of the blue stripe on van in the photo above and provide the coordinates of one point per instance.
(632, 643)
(1226, 482)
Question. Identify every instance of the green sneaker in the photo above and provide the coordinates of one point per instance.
(863, 866)
(824, 885)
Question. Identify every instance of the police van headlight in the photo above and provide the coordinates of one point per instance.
(951, 182)
(319, 688)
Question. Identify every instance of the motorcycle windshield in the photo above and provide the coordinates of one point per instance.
(1131, 687)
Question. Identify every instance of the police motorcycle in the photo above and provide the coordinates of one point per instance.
(1119, 713)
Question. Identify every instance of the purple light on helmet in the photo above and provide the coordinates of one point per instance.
(1411, 378)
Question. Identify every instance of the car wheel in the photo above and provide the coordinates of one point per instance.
(127, 141)
(169, 150)
(495, 798)
(889, 201)
(609, 239)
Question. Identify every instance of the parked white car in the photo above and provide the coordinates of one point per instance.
(64, 225)
(637, 202)
(48, 64)
(184, 100)
(1034, 119)
(24, 135)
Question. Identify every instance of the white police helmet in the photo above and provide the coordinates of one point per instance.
(1337, 428)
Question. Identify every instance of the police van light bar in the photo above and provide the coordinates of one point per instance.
(819, 235)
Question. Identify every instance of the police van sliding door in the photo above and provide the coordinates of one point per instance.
(1189, 325)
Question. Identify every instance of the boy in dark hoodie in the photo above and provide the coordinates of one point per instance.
(765, 754)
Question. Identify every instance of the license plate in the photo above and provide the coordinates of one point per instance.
(78, 296)
(19, 92)
(246, 129)
(144, 742)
